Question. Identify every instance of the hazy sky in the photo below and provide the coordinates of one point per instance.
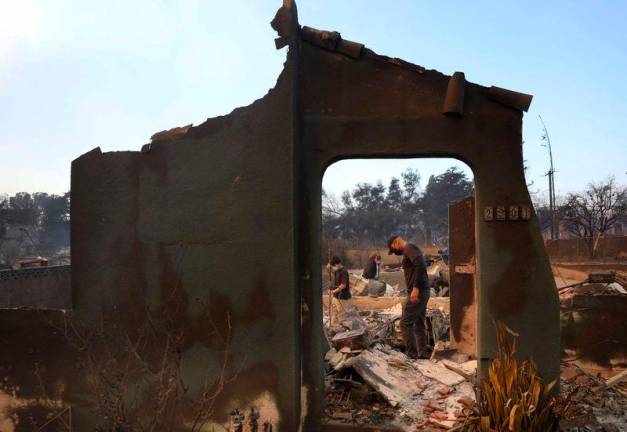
(75, 75)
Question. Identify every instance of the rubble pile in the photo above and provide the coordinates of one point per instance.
(593, 323)
(597, 283)
(591, 403)
(370, 381)
(350, 400)
(366, 327)
(592, 289)
(383, 325)
(381, 383)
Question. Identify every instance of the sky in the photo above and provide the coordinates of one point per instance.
(75, 75)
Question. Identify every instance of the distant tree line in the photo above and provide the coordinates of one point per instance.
(370, 213)
(33, 224)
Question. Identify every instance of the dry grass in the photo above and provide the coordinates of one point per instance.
(512, 397)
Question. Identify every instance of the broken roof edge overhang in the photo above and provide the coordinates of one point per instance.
(290, 33)
(332, 41)
(286, 25)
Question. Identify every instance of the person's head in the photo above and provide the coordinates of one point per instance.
(376, 258)
(396, 244)
(335, 264)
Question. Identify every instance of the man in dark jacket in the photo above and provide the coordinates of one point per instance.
(371, 272)
(413, 324)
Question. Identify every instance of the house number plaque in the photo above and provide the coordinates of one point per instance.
(506, 213)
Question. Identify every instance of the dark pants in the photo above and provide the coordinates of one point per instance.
(413, 325)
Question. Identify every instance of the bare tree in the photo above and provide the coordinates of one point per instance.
(331, 206)
(542, 210)
(592, 213)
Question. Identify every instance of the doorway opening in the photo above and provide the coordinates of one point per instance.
(369, 378)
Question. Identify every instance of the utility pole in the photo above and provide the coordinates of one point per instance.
(551, 174)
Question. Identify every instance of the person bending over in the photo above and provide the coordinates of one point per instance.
(371, 272)
(413, 326)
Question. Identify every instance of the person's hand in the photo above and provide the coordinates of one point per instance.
(414, 297)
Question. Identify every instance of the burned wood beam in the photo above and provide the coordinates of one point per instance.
(616, 379)
(509, 98)
(454, 99)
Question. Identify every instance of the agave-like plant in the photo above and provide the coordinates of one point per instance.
(512, 397)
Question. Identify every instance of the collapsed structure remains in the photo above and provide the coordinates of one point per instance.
(211, 233)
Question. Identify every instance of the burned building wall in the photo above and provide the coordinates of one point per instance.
(358, 104)
(203, 248)
(206, 222)
(196, 238)
(463, 287)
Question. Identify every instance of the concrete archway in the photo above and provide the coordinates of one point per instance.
(353, 103)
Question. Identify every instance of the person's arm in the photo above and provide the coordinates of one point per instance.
(417, 280)
(414, 295)
(421, 282)
(340, 287)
